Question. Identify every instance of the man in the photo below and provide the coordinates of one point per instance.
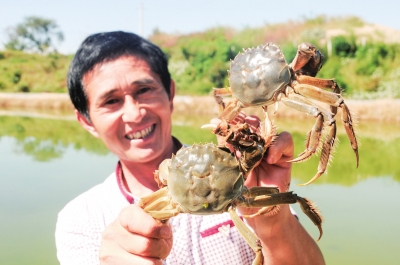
(123, 94)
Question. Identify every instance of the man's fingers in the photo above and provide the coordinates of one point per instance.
(135, 220)
(111, 254)
(253, 121)
(240, 118)
(136, 232)
(282, 149)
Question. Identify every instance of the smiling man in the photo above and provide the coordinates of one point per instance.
(130, 110)
(123, 94)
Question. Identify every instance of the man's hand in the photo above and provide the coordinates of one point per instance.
(283, 239)
(135, 238)
(273, 170)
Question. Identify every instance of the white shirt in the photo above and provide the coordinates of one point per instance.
(197, 239)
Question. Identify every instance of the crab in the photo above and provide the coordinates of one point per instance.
(205, 179)
(261, 77)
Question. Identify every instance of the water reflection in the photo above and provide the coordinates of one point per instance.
(47, 139)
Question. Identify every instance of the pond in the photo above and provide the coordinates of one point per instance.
(47, 161)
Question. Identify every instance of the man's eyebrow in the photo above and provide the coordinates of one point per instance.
(144, 81)
(108, 94)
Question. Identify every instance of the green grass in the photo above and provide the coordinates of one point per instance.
(23, 72)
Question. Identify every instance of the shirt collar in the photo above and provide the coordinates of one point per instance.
(120, 181)
(120, 175)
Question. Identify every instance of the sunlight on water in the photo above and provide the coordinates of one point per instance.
(46, 163)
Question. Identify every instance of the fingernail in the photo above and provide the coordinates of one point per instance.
(165, 232)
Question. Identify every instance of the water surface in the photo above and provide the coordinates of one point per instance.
(46, 162)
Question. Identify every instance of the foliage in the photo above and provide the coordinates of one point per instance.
(363, 67)
(22, 72)
(343, 47)
(201, 62)
(34, 34)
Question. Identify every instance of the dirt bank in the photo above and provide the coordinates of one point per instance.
(387, 110)
(39, 101)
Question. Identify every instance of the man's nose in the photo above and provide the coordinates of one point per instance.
(132, 111)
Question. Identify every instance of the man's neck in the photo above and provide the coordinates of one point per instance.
(138, 178)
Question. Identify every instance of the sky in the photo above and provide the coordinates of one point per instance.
(79, 18)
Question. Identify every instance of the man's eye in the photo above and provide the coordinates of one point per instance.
(111, 101)
(143, 90)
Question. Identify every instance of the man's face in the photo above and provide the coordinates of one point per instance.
(129, 109)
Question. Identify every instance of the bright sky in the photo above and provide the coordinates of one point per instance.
(79, 18)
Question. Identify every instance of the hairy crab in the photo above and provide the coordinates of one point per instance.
(206, 179)
(260, 77)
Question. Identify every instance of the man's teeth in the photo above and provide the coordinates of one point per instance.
(140, 134)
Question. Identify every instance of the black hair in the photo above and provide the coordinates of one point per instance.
(108, 46)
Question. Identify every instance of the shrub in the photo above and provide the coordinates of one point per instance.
(23, 88)
(343, 47)
(16, 77)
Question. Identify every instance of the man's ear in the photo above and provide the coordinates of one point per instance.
(172, 93)
(86, 124)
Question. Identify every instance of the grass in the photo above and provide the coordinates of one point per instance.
(22, 72)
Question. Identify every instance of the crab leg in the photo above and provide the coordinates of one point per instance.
(268, 131)
(348, 126)
(219, 93)
(248, 236)
(313, 137)
(257, 191)
(329, 84)
(231, 110)
(306, 205)
(327, 147)
(309, 208)
(149, 200)
(311, 89)
(159, 205)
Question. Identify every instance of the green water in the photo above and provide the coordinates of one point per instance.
(46, 162)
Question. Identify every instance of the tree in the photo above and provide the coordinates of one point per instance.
(34, 34)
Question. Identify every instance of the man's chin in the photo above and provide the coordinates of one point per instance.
(143, 155)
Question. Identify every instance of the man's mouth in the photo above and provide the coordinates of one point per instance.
(141, 134)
